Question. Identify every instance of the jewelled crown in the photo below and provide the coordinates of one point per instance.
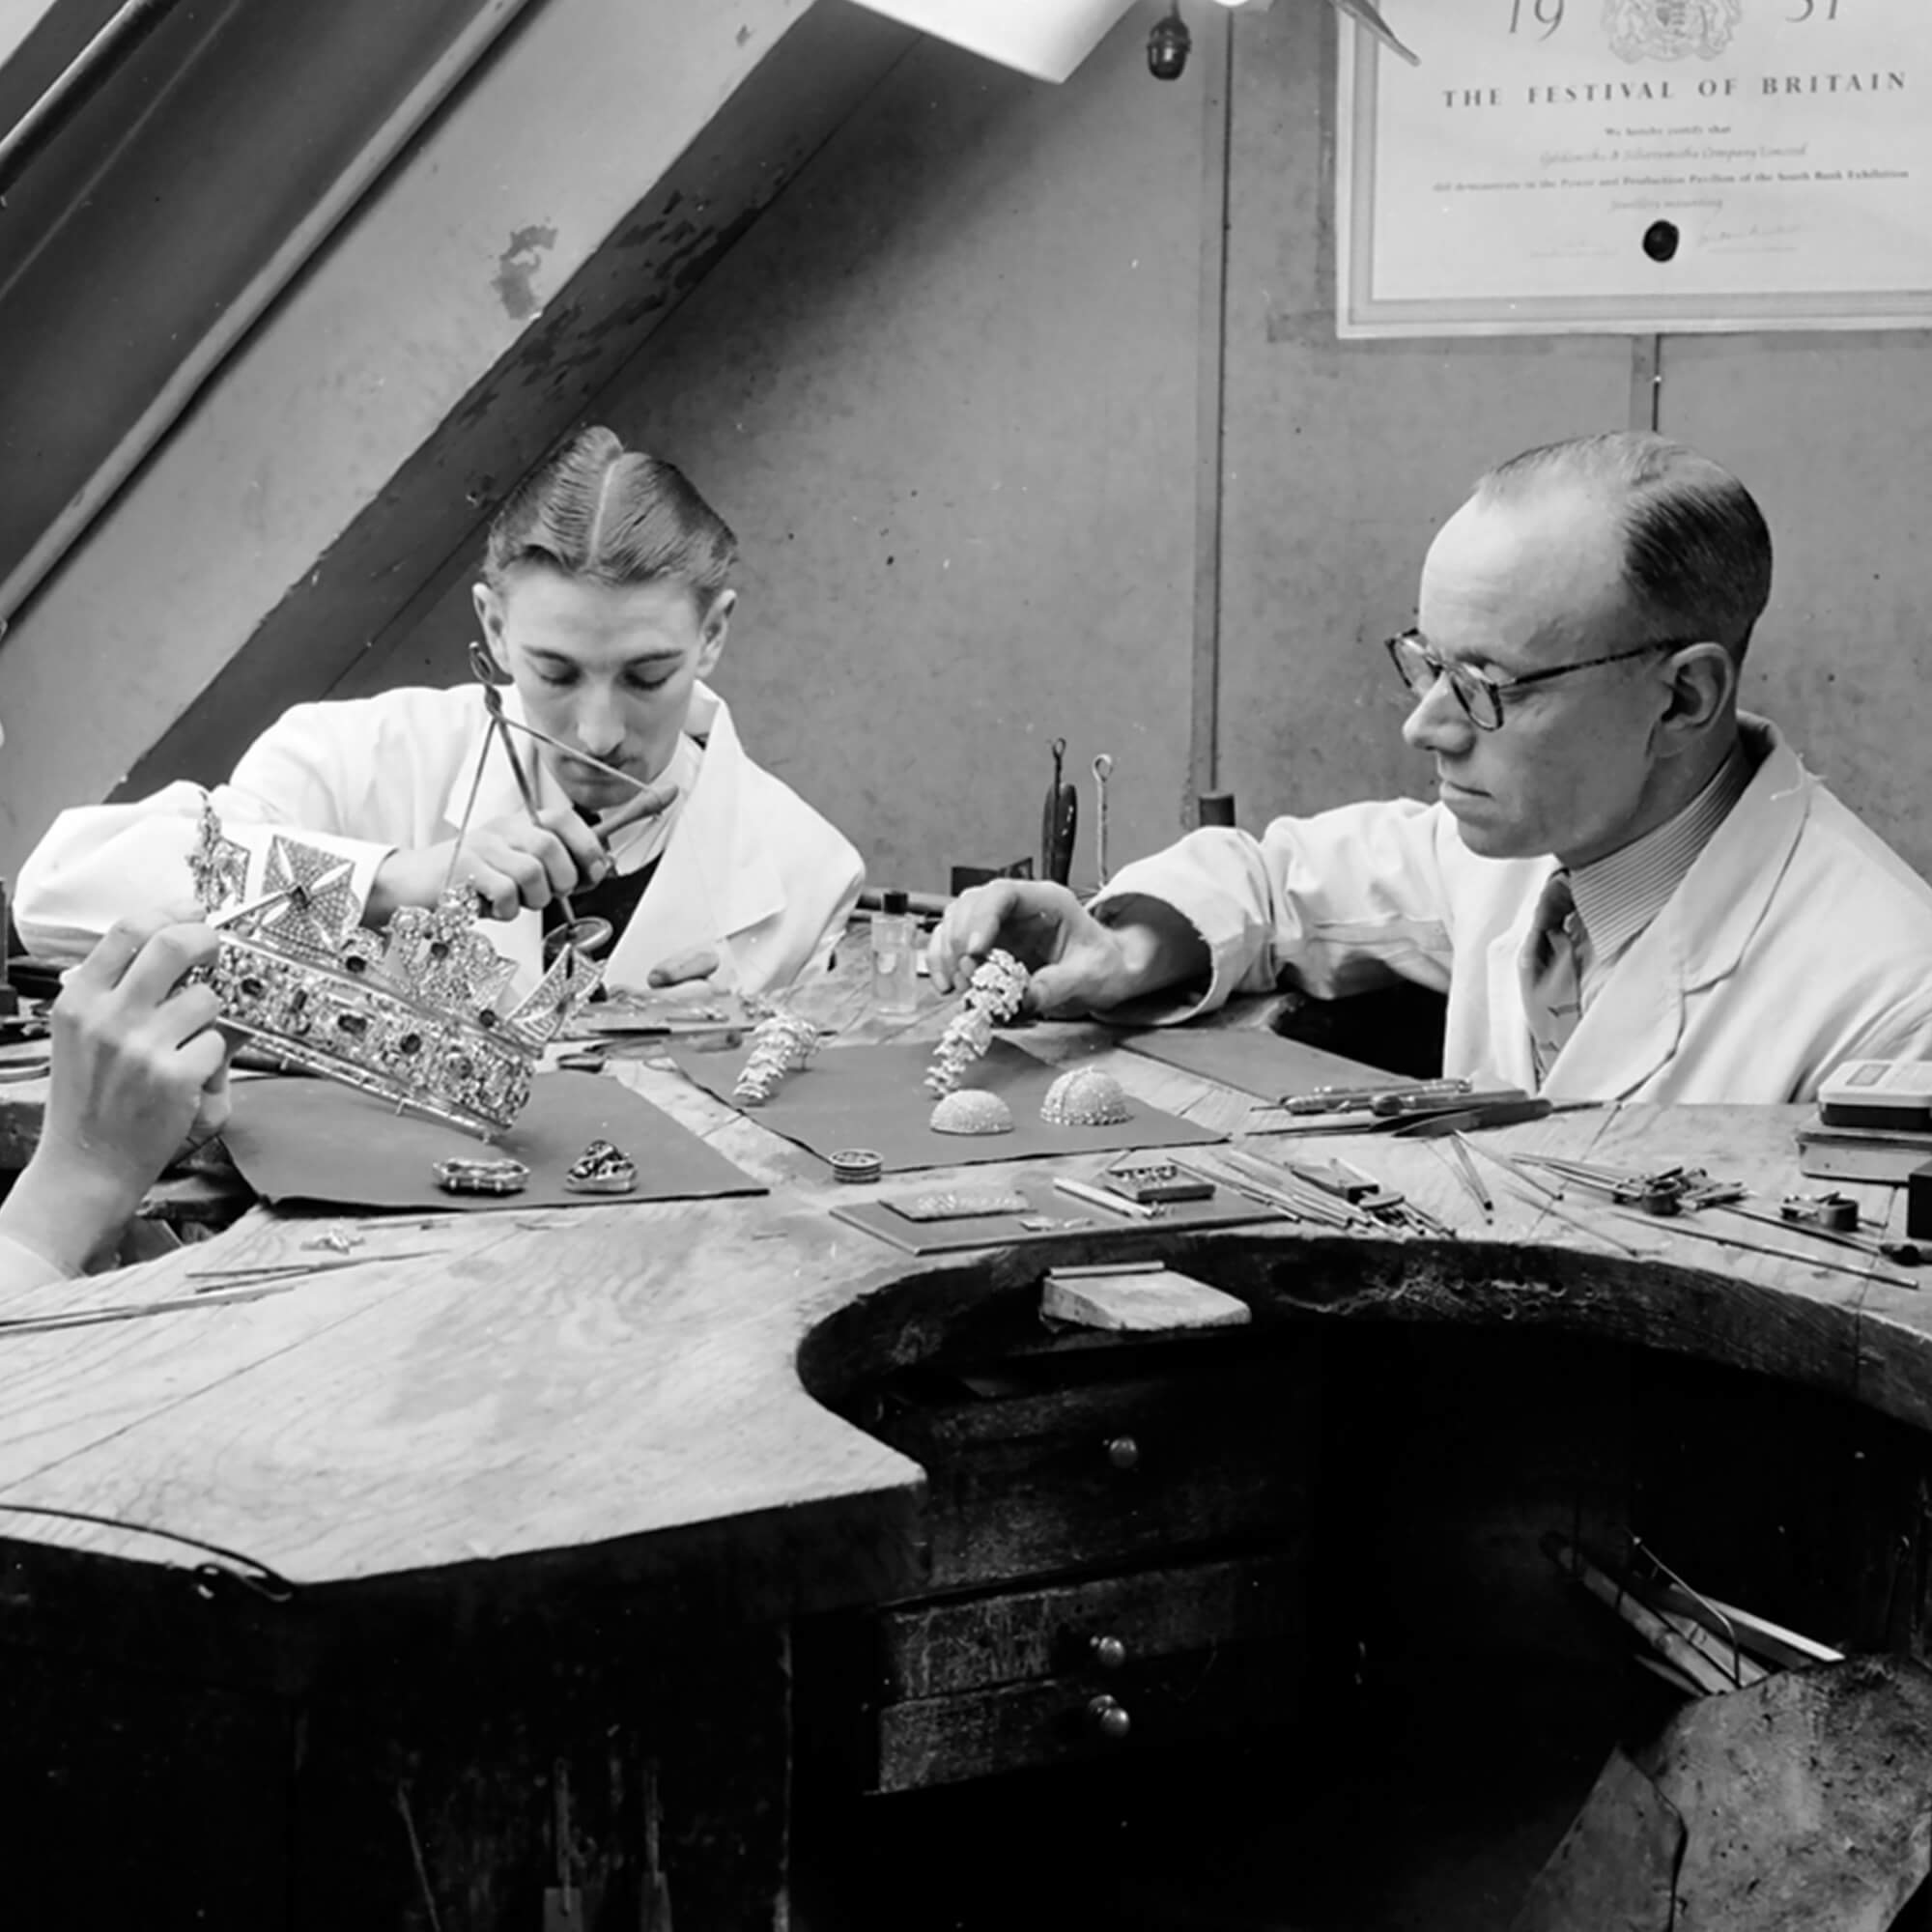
(411, 1014)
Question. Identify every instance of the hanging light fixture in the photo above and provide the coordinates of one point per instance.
(1168, 46)
(1048, 39)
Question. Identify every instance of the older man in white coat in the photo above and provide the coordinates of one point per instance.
(1626, 889)
(604, 607)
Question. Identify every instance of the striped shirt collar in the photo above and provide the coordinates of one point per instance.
(1620, 893)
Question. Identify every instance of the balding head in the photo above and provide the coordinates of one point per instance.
(1695, 551)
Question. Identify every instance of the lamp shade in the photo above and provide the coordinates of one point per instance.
(1047, 38)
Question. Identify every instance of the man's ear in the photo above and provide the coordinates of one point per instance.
(1703, 687)
(714, 629)
(490, 618)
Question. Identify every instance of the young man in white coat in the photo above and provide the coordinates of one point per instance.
(604, 607)
(1626, 889)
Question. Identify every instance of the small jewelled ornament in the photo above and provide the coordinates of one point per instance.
(857, 1164)
(782, 1043)
(461, 1175)
(994, 996)
(1086, 1098)
(971, 1110)
(601, 1168)
(961, 1204)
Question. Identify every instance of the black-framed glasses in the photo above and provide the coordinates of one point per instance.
(1479, 695)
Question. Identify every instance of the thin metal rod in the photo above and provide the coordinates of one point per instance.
(1668, 1226)
(463, 827)
(1461, 1148)
(572, 752)
(1545, 1201)
(1210, 395)
(1863, 1245)
(492, 699)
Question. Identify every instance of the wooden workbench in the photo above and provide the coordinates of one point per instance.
(571, 1474)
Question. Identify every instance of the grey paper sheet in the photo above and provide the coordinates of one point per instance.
(298, 1139)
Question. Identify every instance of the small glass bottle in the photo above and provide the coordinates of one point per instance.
(895, 956)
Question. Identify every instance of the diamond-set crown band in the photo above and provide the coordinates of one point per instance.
(412, 1014)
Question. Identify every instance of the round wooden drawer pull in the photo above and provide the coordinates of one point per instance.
(1109, 1718)
(1124, 1452)
(1109, 1652)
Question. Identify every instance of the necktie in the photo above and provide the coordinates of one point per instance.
(1552, 995)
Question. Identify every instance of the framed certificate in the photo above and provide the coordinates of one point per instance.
(1636, 166)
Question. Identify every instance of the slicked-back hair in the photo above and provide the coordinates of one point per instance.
(595, 510)
(1697, 551)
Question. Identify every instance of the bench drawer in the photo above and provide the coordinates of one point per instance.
(983, 1684)
(1105, 1473)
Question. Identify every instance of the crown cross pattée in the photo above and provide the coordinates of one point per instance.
(309, 897)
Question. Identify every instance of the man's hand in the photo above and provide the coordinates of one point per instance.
(1078, 965)
(511, 862)
(138, 1068)
(683, 968)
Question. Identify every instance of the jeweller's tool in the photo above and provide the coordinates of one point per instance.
(1361, 1100)
(1308, 1203)
(1546, 1197)
(1450, 1117)
(1838, 1212)
(1060, 822)
(1268, 1195)
(1364, 1193)
(1333, 1176)
(1907, 1254)
(254, 1288)
(1112, 1203)
(1471, 1180)
(221, 1278)
(1403, 1103)
(1778, 1254)
(1103, 770)
(586, 935)
(1666, 1191)
(487, 675)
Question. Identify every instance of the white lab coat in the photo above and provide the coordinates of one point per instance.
(1797, 940)
(751, 871)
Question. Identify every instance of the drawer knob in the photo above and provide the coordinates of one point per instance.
(1109, 1718)
(1124, 1452)
(1109, 1652)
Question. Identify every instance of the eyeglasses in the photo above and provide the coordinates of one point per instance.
(1481, 696)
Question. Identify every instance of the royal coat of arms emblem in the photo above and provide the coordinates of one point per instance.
(1670, 29)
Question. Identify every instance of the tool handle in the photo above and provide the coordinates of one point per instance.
(1391, 1105)
(1060, 825)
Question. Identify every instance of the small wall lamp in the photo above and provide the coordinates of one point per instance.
(1169, 42)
